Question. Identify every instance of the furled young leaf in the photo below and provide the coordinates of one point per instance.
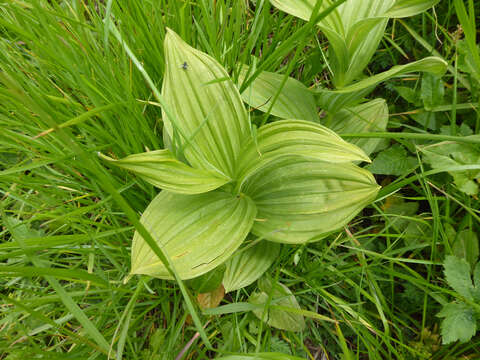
(446, 154)
(295, 137)
(295, 100)
(281, 296)
(393, 161)
(206, 118)
(260, 356)
(466, 246)
(368, 117)
(160, 168)
(339, 59)
(247, 266)
(301, 199)
(197, 232)
(362, 41)
(457, 274)
(460, 323)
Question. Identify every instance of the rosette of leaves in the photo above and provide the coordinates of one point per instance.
(354, 30)
(291, 181)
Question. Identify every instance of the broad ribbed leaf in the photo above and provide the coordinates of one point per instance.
(295, 137)
(362, 42)
(433, 65)
(299, 8)
(333, 102)
(197, 232)
(209, 122)
(208, 281)
(249, 265)
(345, 16)
(160, 168)
(295, 101)
(405, 8)
(301, 199)
(281, 296)
(303, 9)
(368, 117)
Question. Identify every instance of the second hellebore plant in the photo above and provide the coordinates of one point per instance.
(292, 181)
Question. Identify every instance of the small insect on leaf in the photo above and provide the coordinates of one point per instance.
(185, 65)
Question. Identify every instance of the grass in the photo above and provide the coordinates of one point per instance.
(68, 220)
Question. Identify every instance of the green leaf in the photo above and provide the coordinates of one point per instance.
(247, 266)
(362, 41)
(300, 8)
(476, 282)
(460, 323)
(301, 199)
(342, 18)
(161, 169)
(354, 29)
(295, 137)
(368, 117)
(295, 100)
(333, 102)
(432, 91)
(209, 122)
(457, 274)
(467, 59)
(197, 232)
(433, 65)
(260, 356)
(338, 55)
(405, 8)
(276, 316)
(393, 161)
(408, 94)
(209, 281)
(447, 154)
(466, 246)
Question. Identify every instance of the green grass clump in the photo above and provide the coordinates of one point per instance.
(69, 89)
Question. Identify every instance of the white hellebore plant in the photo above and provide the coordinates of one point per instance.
(292, 181)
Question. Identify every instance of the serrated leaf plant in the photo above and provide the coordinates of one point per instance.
(461, 316)
(291, 181)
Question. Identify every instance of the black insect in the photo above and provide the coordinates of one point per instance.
(185, 66)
